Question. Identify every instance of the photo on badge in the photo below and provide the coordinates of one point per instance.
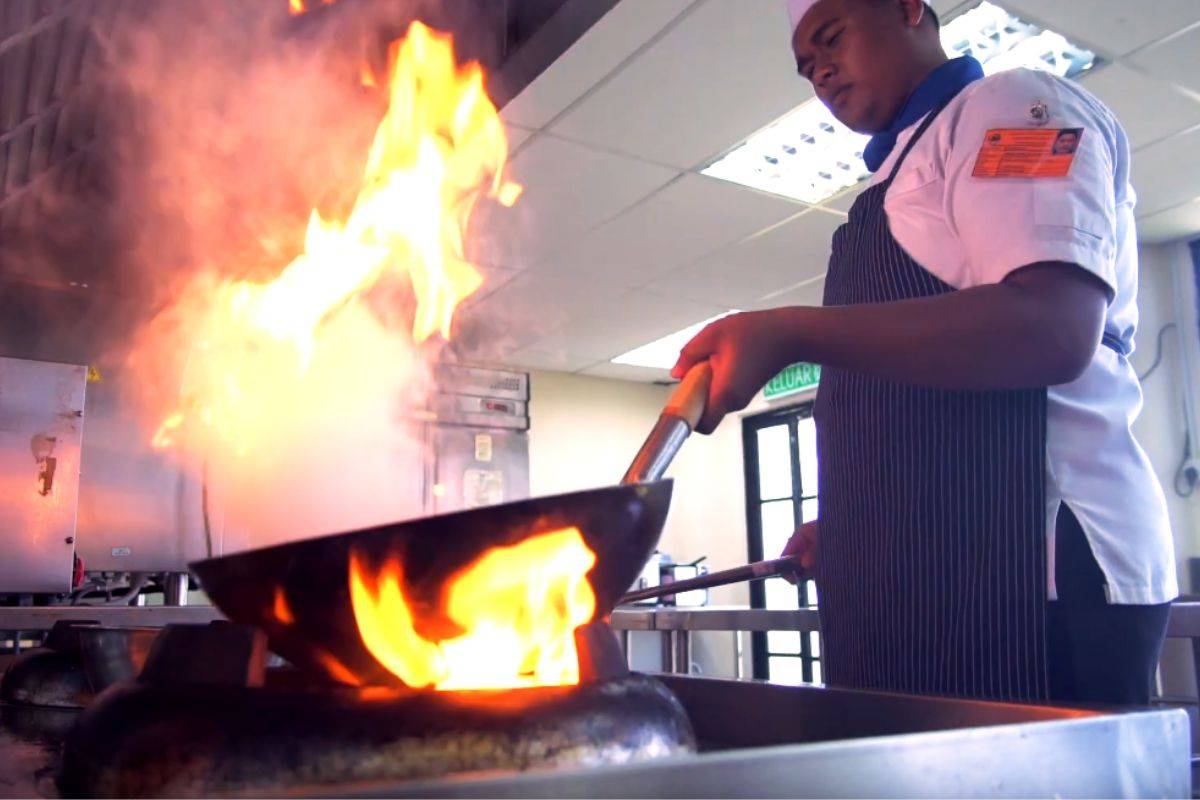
(1067, 142)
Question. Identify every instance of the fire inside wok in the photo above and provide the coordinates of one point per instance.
(620, 524)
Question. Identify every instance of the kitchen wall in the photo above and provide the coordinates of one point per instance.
(584, 432)
(1161, 426)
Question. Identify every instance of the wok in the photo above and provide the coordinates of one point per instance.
(317, 629)
(620, 524)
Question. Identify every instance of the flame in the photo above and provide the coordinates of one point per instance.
(297, 7)
(282, 609)
(518, 606)
(165, 434)
(366, 76)
(440, 148)
(336, 669)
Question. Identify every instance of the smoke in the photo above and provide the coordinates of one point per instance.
(233, 124)
(229, 123)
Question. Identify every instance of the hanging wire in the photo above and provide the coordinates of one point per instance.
(1187, 477)
(1158, 355)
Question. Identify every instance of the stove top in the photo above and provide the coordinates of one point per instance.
(143, 740)
(752, 739)
(193, 711)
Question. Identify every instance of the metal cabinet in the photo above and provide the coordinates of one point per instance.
(475, 467)
(478, 441)
(41, 427)
(144, 510)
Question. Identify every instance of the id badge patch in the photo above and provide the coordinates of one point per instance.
(1027, 152)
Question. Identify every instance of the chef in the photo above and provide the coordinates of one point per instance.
(989, 527)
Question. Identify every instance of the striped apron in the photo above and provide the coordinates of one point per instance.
(932, 572)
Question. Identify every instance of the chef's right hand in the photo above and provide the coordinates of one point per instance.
(744, 350)
(802, 548)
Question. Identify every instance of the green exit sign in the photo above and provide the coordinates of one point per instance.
(793, 379)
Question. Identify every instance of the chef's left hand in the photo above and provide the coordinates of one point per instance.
(745, 351)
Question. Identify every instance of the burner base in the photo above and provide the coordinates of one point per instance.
(140, 740)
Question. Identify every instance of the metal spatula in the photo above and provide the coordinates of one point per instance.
(758, 571)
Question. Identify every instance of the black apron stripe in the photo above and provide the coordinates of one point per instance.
(932, 571)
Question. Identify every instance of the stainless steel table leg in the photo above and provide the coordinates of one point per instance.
(176, 589)
(683, 652)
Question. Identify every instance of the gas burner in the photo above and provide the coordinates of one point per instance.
(149, 741)
(206, 718)
(79, 659)
(51, 676)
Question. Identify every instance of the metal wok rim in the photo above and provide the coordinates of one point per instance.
(447, 517)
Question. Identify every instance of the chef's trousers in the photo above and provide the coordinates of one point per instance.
(1098, 652)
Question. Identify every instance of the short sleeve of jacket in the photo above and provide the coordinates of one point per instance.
(1008, 223)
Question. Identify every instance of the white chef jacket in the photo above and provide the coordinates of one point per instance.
(972, 231)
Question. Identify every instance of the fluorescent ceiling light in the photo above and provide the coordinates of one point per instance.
(1001, 41)
(663, 353)
(808, 155)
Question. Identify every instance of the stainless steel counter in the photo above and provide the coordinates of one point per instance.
(762, 740)
(766, 740)
(1185, 618)
(1184, 622)
(714, 618)
(678, 624)
(42, 618)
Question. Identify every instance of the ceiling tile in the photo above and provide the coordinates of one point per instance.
(627, 372)
(944, 7)
(680, 223)
(775, 260)
(618, 34)
(719, 75)
(808, 293)
(618, 325)
(1167, 174)
(516, 136)
(1149, 108)
(1117, 27)
(531, 306)
(1181, 222)
(494, 278)
(569, 189)
(533, 358)
(842, 202)
(1177, 59)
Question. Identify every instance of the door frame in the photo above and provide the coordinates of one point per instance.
(801, 408)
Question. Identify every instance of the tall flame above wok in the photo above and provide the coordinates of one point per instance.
(438, 150)
(266, 359)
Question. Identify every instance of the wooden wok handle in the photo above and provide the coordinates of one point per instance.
(691, 395)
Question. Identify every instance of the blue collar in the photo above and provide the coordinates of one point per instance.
(939, 87)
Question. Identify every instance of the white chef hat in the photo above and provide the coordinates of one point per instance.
(796, 11)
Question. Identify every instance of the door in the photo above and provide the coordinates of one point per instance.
(780, 450)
